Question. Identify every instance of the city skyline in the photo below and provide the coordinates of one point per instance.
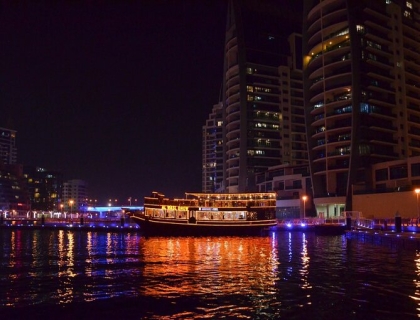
(113, 94)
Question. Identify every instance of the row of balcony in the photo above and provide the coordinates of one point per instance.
(330, 55)
(330, 12)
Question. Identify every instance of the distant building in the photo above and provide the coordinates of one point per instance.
(13, 193)
(75, 196)
(212, 170)
(45, 188)
(8, 150)
(14, 196)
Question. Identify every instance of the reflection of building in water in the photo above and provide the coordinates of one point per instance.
(305, 263)
(296, 261)
(417, 279)
(197, 265)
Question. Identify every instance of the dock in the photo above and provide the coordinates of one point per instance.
(400, 240)
(99, 225)
(386, 234)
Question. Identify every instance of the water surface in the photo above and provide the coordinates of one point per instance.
(285, 275)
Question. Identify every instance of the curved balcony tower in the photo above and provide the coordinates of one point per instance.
(361, 90)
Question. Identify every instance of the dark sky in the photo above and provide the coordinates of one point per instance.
(114, 93)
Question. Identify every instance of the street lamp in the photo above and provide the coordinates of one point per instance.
(304, 198)
(71, 206)
(417, 191)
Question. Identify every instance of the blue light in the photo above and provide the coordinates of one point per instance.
(289, 225)
(303, 225)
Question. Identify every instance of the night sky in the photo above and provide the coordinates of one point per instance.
(114, 93)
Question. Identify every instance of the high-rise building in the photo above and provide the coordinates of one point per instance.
(362, 92)
(256, 44)
(293, 131)
(8, 150)
(212, 170)
(14, 196)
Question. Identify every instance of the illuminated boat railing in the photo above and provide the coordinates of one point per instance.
(218, 200)
(213, 203)
(205, 215)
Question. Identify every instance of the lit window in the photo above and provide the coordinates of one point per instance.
(318, 105)
(261, 125)
(250, 88)
(409, 5)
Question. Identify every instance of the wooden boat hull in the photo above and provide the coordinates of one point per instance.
(162, 227)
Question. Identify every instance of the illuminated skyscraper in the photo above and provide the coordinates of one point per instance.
(362, 92)
(255, 131)
(8, 150)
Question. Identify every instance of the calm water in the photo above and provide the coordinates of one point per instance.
(287, 275)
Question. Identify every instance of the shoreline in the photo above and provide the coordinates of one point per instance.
(87, 226)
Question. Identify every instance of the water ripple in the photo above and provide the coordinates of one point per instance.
(284, 275)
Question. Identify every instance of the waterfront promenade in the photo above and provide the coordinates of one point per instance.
(379, 232)
(106, 224)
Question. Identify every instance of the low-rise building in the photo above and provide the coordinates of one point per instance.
(74, 196)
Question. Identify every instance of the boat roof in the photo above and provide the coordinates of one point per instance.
(242, 195)
(219, 196)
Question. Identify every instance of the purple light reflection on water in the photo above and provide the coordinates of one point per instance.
(284, 274)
